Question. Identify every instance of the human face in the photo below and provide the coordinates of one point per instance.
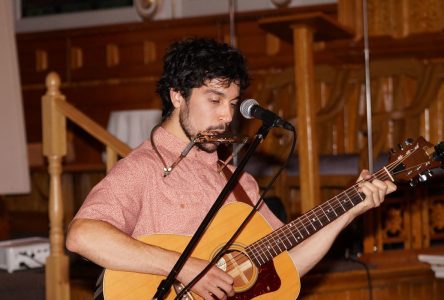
(210, 108)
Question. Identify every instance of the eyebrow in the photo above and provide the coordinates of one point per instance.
(219, 93)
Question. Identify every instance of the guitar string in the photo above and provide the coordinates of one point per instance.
(306, 219)
(281, 231)
(243, 257)
(285, 228)
(251, 247)
(390, 167)
(277, 238)
(283, 234)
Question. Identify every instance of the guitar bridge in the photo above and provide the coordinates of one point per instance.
(178, 287)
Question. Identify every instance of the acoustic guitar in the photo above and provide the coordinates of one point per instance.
(258, 260)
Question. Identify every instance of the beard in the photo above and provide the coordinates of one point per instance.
(191, 132)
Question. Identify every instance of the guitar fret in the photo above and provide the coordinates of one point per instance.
(358, 193)
(329, 203)
(339, 201)
(317, 218)
(267, 248)
(331, 211)
(260, 250)
(346, 203)
(288, 239)
(321, 206)
(349, 198)
(251, 254)
(278, 242)
(282, 238)
(308, 232)
(263, 261)
(311, 223)
(300, 233)
(356, 197)
(297, 237)
(273, 246)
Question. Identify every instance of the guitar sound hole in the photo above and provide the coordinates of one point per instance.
(240, 267)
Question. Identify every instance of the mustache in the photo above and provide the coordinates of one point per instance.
(221, 128)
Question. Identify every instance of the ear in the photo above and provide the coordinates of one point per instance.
(176, 98)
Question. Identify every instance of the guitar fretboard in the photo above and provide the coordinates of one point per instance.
(293, 233)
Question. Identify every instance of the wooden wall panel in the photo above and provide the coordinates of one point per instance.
(116, 67)
(397, 18)
(40, 55)
(412, 281)
(32, 108)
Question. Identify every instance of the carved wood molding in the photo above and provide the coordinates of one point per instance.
(397, 18)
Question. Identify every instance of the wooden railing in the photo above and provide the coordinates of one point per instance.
(55, 111)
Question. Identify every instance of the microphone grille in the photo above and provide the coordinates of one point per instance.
(245, 108)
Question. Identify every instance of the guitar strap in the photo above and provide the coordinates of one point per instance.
(238, 191)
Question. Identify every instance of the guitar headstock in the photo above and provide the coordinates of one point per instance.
(415, 160)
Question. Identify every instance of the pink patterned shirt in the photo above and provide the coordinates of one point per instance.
(137, 199)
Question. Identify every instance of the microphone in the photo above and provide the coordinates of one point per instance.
(250, 109)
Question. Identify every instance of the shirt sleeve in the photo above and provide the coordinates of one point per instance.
(116, 199)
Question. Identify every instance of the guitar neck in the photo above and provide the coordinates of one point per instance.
(293, 233)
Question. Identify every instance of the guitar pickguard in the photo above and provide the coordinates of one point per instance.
(267, 281)
(250, 281)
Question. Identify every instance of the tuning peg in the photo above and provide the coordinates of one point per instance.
(429, 173)
(400, 147)
(422, 177)
(413, 182)
(408, 142)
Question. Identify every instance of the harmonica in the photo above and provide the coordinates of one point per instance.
(225, 138)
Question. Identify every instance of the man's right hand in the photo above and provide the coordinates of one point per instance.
(215, 284)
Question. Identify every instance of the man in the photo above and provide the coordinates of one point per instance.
(153, 190)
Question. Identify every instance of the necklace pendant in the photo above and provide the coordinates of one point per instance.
(166, 171)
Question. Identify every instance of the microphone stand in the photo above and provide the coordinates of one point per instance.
(166, 284)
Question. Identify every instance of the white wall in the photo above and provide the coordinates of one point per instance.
(14, 174)
(168, 9)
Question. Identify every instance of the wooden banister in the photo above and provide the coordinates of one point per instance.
(92, 127)
(55, 110)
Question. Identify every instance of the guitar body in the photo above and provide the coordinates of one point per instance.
(277, 279)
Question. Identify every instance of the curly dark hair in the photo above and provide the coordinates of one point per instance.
(191, 62)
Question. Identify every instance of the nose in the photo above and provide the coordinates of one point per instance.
(226, 113)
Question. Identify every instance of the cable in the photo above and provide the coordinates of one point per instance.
(367, 271)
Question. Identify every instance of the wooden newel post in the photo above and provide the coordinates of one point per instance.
(54, 148)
